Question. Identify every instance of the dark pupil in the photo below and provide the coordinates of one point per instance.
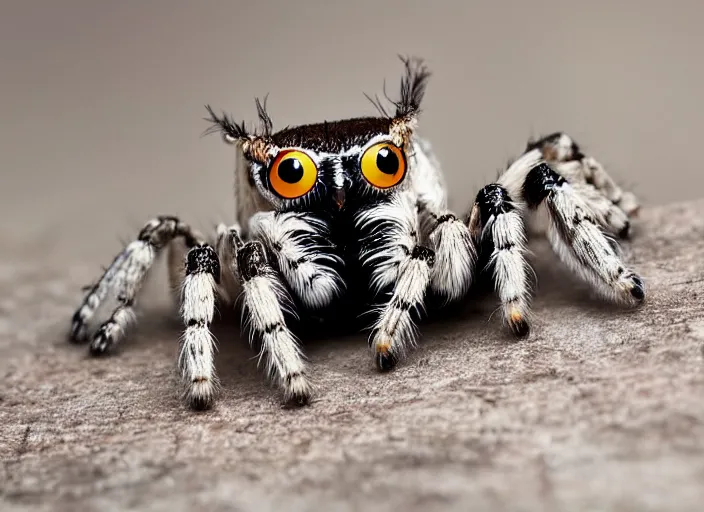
(291, 170)
(387, 161)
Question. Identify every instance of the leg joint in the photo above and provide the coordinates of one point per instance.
(424, 254)
(203, 258)
(540, 181)
(492, 201)
(251, 260)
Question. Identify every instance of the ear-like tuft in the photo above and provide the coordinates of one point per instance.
(230, 130)
(413, 86)
(264, 118)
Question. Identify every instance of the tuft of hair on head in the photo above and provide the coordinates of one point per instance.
(226, 126)
(264, 117)
(413, 85)
(232, 131)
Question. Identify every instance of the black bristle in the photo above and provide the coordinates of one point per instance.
(224, 125)
(264, 117)
(413, 86)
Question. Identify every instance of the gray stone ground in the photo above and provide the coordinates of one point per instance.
(600, 409)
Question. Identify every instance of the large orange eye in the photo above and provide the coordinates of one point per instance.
(384, 165)
(293, 174)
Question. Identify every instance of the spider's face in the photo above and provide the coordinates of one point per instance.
(330, 166)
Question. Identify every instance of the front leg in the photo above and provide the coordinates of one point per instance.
(497, 225)
(265, 301)
(198, 295)
(390, 250)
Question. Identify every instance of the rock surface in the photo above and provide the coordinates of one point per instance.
(600, 409)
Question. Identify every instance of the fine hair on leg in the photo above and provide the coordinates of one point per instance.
(122, 281)
(578, 240)
(497, 224)
(389, 231)
(196, 359)
(265, 304)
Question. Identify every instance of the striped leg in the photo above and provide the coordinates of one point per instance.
(265, 303)
(198, 296)
(391, 251)
(122, 281)
(497, 224)
(577, 238)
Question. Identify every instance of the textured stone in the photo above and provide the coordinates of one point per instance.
(600, 409)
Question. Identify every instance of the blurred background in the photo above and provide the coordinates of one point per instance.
(102, 102)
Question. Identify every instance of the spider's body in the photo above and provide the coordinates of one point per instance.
(352, 216)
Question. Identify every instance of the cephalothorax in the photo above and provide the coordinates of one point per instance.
(355, 212)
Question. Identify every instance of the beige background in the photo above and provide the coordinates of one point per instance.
(102, 102)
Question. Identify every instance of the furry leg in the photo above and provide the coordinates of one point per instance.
(497, 224)
(390, 250)
(449, 237)
(265, 301)
(455, 256)
(305, 256)
(122, 281)
(607, 214)
(577, 239)
(559, 148)
(597, 175)
(199, 293)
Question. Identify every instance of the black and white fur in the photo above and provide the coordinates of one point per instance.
(347, 248)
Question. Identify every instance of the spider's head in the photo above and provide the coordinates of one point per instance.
(331, 165)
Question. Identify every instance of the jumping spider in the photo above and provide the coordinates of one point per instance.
(354, 212)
